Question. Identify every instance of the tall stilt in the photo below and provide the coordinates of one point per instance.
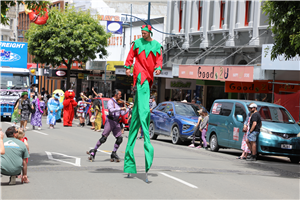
(128, 175)
(147, 178)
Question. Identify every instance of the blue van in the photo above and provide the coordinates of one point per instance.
(279, 134)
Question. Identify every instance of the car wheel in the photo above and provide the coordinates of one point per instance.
(295, 160)
(175, 135)
(213, 143)
(152, 134)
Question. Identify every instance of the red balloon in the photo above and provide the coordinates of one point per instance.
(36, 18)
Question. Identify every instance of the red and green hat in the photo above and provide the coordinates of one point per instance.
(147, 28)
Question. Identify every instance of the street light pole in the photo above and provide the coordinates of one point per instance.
(105, 78)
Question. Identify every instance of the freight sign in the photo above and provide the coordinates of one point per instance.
(13, 54)
(220, 73)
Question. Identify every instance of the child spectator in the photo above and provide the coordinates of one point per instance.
(81, 111)
(21, 136)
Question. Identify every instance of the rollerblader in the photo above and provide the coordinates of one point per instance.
(111, 124)
(148, 58)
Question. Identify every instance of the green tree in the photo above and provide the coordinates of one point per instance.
(5, 5)
(284, 19)
(68, 35)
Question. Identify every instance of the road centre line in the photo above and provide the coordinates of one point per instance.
(179, 180)
(101, 151)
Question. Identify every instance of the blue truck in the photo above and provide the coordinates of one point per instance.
(14, 81)
(15, 77)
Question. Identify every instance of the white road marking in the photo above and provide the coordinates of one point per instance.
(77, 160)
(40, 132)
(179, 180)
(101, 151)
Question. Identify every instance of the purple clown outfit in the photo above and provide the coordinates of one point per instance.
(111, 124)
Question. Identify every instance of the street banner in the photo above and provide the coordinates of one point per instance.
(13, 54)
(218, 73)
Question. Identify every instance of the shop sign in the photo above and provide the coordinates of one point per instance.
(46, 71)
(80, 76)
(219, 73)
(60, 73)
(255, 87)
(165, 73)
(109, 77)
(13, 54)
(180, 84)
(285, 87)
(94, 78)
(279, 63)
(120, 71)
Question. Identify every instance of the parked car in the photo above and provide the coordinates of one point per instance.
(175, 119)
(104, 111)
(279, 134)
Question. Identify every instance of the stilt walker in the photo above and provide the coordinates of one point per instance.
(148, 58)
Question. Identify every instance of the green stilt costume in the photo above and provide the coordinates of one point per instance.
(148, 58)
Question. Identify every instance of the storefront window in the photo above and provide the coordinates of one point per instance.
(213, 93)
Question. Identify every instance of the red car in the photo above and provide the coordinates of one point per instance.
(104, 111)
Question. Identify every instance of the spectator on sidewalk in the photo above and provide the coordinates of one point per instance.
(13, 162)
(255, 125)
(246, 129)
(152, 103)
(203, 127)
(197, 132)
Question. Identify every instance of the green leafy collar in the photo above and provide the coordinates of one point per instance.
(148, 46)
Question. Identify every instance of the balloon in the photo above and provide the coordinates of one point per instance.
(35, 17)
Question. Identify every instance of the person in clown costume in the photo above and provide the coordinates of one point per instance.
(148, 59)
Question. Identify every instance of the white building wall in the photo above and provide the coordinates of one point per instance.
(234, 21)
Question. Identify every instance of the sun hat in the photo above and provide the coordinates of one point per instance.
(253, 105)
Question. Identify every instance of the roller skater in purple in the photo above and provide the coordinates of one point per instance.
(111, 124)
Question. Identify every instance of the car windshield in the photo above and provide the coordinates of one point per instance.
(275, 114)
(186, 110)
(14, 80)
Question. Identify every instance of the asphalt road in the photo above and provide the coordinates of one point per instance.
(58, 168)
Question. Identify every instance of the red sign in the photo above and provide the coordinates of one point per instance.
(220, 73)
(216, 108)
(60, 73)
(254, 87)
